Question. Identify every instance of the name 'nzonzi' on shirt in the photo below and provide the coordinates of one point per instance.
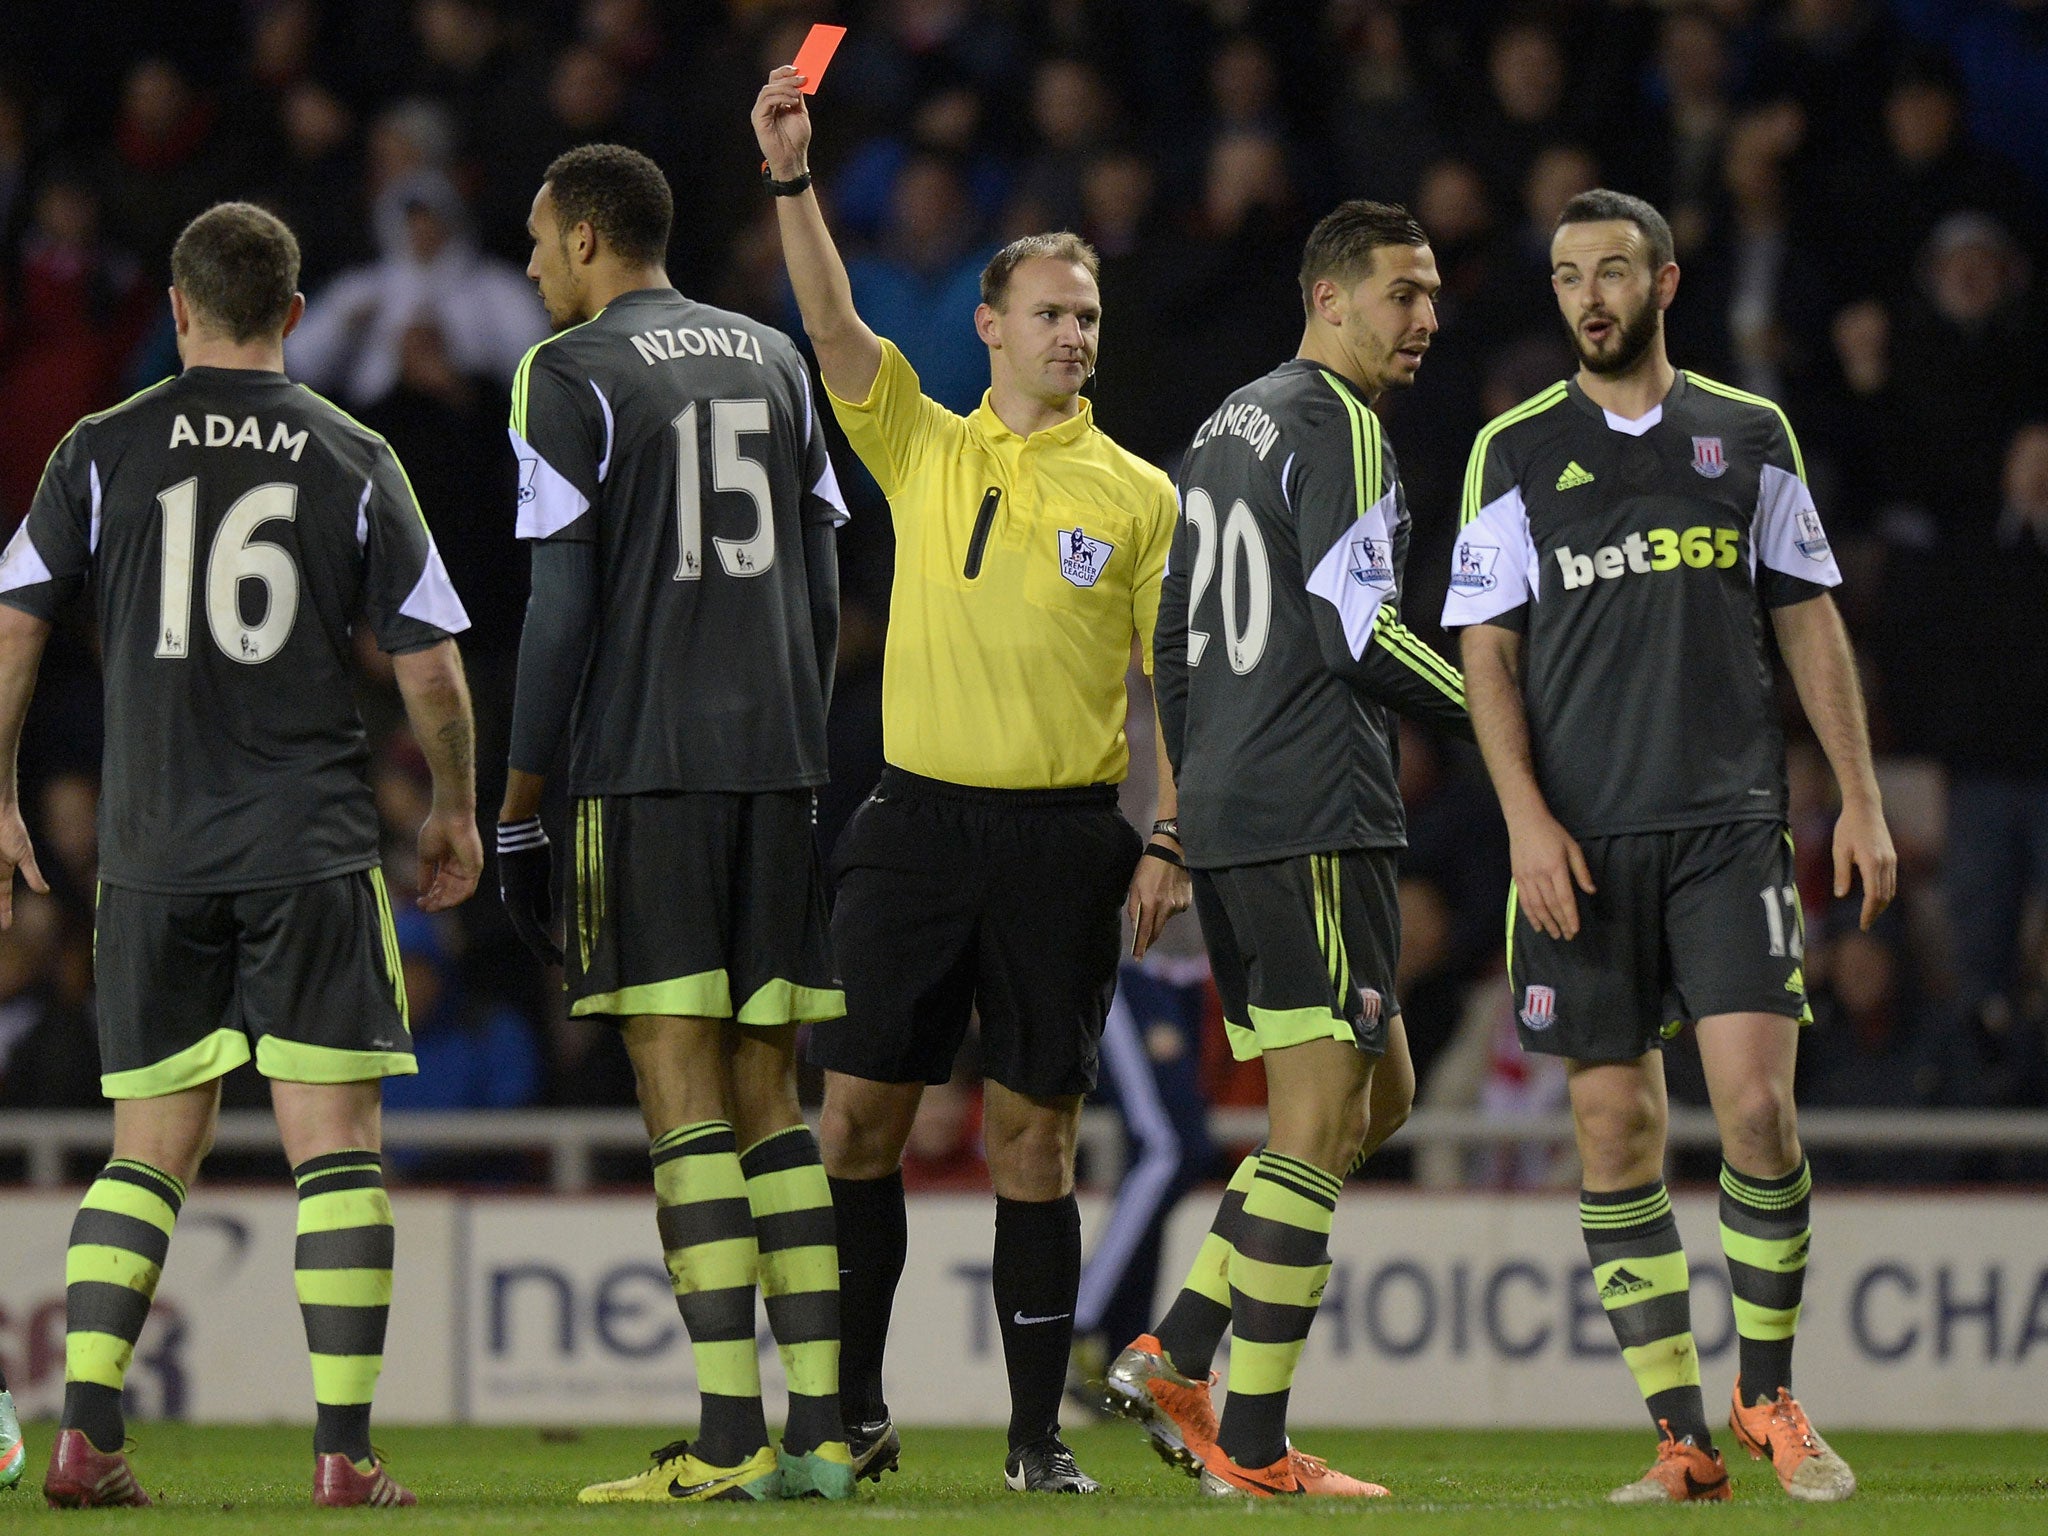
(662, 345)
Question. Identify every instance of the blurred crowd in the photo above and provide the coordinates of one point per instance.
(1859, 190)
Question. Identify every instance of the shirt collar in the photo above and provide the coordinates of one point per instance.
(991, 426)
(1642, 424)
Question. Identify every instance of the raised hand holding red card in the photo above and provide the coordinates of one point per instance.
(816, 54)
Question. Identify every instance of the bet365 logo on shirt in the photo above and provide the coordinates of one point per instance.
(1654, 549)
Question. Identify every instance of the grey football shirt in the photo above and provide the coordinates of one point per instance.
(1280, 648)
(1638, 558)
(681, 441)
(232, 526)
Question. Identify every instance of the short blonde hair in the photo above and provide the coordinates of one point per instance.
(1061, 245)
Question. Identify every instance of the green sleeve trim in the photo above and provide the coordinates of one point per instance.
(382, 442)
(295, 1061)
(1412, 651)
(1367, 457)
(215, 1056)
(1475, 467)
(523, 372)
(86, 421)
(1730, 392)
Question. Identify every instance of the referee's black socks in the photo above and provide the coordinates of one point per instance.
(874, 1237)
(1037, 1278)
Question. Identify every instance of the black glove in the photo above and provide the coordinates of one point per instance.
(526, 884)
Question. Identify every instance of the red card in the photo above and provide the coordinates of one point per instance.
(816, 53)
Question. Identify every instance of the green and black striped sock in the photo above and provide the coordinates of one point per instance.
(1193, 1328)
(707, 1236)
(1766, 1230)
(1279, 1263)
(792, 1205)
(341, 1268)
(118, 1243)
(1640, 1272)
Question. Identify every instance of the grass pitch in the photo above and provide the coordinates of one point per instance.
(1446, 1483)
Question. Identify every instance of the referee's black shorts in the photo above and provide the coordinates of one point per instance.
(954, 900)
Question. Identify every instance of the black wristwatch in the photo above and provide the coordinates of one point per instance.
(790, 188)
(1167, 826)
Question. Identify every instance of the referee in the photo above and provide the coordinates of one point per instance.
(985, 873)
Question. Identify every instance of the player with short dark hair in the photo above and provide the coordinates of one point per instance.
(233, 526)
(985, 874)
(1281, 658)
(681, 633)
(1625, 534)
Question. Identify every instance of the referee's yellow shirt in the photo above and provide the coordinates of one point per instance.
(1005, 659)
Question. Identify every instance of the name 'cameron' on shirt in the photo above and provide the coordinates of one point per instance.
(1240, 419)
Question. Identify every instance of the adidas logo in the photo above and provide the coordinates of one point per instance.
(1796, 982)
(1623, 1282)
(1574, 476)
(1797, 1257)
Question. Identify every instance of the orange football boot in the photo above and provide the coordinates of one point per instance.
(1807, 1467)
(1681, 1474)
(1174, 1410)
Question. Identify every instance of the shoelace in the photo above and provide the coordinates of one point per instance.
(1314, 1466)
(1788, 1413)
(675, 1450)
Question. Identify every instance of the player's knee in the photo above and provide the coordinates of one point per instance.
(854, 1145)
(1032, 1159)
(1619, 1141)
(1763, 1131)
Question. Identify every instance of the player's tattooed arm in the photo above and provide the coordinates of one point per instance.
(1817, 653)
(21, 653)
(1545, 858)
(849, 354)
(436, 698)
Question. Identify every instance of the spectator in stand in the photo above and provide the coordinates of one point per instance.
(408, 136)
(1072, 116)
(80, 308)
(1996, 588)
(1689, 116)
(473, 1054)
(14, 151)
(48, 1056)
(2001, 50)
(1864, 439)
(166, 164)
(921, 287)
(447, 427)
(472, 59)
(1522, 302)
(1523, 108)
(1756, 298)
(1830, 56)
(1924, 171)
(351, 342)
(315, 184)
(1382, 125)
(1974, 336)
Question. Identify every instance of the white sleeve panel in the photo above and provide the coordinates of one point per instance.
(22, 565)
(1356, 574)
(433, 600)
(548, 502)
(827, 489)
(1787, 535)
(1493, 564)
